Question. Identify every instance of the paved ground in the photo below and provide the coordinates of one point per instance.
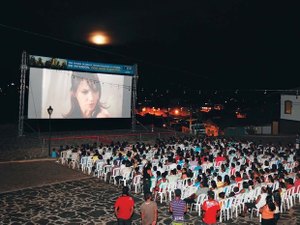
(23, 174)
(43, 192)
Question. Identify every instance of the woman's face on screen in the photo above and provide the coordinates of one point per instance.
(87, 98)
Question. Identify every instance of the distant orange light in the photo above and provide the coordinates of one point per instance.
(99, 38)
(218, 107)
(241, 115)
(205, 109)
(176, 111)
(144, 109)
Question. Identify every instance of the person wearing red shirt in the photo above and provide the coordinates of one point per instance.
(238, 178)
(297, 182)
(210, 209)
(220, 159)
(124, 207)
(289, 183)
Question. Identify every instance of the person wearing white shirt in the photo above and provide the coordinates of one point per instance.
(173, 178)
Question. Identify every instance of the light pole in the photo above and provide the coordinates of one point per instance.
(49, 110)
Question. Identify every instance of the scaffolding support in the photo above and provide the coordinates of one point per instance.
(134, 98)
(24, 68)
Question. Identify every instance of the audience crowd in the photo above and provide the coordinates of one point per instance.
(241, 176)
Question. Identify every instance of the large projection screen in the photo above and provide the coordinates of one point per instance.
(99, 95)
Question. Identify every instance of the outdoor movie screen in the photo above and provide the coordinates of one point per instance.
(78, 95)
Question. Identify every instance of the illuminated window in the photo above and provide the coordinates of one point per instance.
(288, 107)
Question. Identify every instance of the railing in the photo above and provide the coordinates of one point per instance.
(147, 137)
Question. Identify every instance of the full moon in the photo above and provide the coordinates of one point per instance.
(99, 38)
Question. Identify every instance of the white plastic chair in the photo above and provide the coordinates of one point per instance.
(200, 199)
(83, 163)
(227, 209)
(99, 168)
(106, 169)
(137, 183)
(89, 165)
(153, 184)
(63, 157)
(68, 156)
(288, 198)
(125, 179)
(75, 160)
(296, 194)
(162, 192)
(115, 173)
(171, 188)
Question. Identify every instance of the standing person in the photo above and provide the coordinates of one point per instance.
(267, 212)
(210, 209)
(124, 207)
(277, 201)
(147, 175)
(85, 98)
(178, 208)
(149, 211)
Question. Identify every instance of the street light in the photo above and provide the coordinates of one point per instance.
(49, 110)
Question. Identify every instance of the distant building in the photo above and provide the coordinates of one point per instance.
(290, 114)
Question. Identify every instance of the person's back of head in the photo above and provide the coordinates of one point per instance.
(231, 194)
(236, 189)
(213, 184)
(237, 174)
(258, 180)
(282, 185)
(158, 173)
(125, 190)
(245, 185)
(177, 192)
(222, 195)
(290, 181)
(164, 174)
(250, 182)
(173, 171)
(147, 196)
(270, 203)
(211, 195)
(208, 171)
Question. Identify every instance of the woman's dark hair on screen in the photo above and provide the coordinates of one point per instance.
(94, 83)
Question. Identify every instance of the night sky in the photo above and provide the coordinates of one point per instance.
(190, 44)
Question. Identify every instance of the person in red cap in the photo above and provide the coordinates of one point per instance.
(210, 209)
(124, 207)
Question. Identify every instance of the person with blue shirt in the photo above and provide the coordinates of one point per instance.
(54, 153)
